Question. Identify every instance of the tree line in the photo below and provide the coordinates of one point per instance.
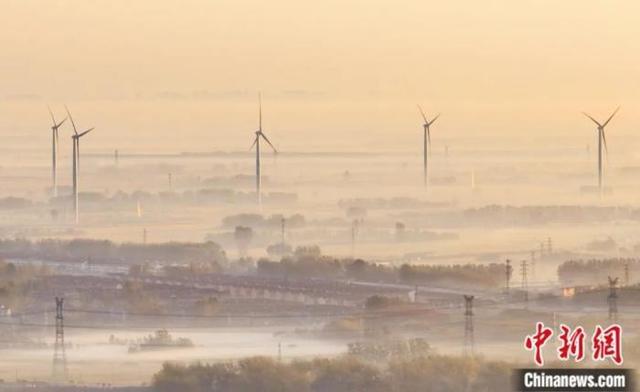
(104, 251)
(308, 261)
(342, 374)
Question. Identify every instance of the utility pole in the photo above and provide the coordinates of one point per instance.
(627, 280)
(59, 356)
(468, 325)
(613, 299)
(525, 284)
(354, 233)
(533, 264)
(508, 270)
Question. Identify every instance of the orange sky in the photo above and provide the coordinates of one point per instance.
(184, 75)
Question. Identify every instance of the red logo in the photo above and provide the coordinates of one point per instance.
(536, 341)
(572, 343)
(605, 343)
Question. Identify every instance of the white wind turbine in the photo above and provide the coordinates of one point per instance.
(76, 164)
(54, 152)
(256, 143)
(602, 142)
(427, 141)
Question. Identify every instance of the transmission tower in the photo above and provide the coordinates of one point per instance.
(613, 299)
(525, 283)
(468, 325)
(508, 270)
(59, 356)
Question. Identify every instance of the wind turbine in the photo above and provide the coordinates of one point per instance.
(54, 152)
(76, 163)
(427, 140)
(602, 141)
(256, 143)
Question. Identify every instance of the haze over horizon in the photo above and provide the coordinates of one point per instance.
(157, 76)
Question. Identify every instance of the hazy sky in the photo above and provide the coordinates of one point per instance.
(334, 74)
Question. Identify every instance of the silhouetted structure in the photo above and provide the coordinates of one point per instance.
(602, 142)
(613, 298)
(627, 279)
(468, 325)
(508, 270)
(354, 235)
(426, 141)
(533, 264)
(59, 355)
(256, 142)
(525, 283)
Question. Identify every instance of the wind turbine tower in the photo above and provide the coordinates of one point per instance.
(602, 142)
(426, 141)
(76, 164)
(54, 152)
(256, 143)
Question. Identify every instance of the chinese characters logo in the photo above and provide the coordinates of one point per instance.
(605, 343)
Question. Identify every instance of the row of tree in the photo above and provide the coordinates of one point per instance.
(343, 374)
(307, 262)
(595, 271)
(103, 251)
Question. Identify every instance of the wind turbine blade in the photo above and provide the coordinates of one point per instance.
(610, 117)
(60, 123)
(71, 118)
(85, 132)
(429, 139)
(592, 119)
(260, 111)
(51, 113)
(434, 119)
(423, 115)
(604, 141)
(268, 142)
(253, 144)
